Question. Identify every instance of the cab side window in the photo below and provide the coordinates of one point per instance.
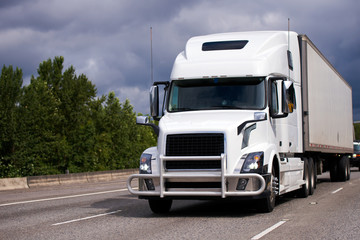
(274, 98)
(291, 98)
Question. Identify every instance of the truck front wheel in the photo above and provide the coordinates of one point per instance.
(268, 204)
(160, 205)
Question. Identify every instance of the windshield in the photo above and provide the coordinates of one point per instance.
(357, 147)
(217, 93)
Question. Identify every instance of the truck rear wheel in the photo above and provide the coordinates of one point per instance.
(349, 171)
(312, 178)
(315, 170)
(304, 190)
(334, 170)
(343, 169)
(160, 205)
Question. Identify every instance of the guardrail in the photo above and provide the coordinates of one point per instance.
(63, 179)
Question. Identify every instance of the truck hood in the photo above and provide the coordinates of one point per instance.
(201, 121)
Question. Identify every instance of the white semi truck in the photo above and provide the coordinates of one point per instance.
(246, 115)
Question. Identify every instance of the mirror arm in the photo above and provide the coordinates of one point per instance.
(145, 121)
(153, 126)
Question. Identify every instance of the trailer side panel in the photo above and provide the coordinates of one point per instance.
(327, 100)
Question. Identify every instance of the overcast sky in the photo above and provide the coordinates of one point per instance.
(109, 40)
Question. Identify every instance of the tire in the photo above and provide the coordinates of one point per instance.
(267, 204)
(311, 176)
(160, 205)
(304, 190)
(349, 171)
(343, 169)
(315, 171)
(334, 170)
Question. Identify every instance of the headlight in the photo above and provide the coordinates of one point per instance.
(145, 163)
(253, 163)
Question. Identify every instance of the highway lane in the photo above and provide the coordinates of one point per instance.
(107, 211)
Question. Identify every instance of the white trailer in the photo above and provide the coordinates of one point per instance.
(246, 115)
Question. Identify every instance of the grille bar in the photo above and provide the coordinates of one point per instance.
(193, 185)
(207, 144)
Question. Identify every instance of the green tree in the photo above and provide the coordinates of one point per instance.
(57, 131)
(10, 91)
(357, 131)
(76, 95)
(121, 140)
(56, 123)
(40, 146)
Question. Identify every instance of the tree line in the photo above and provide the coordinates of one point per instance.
(57, 124)
(357, 131)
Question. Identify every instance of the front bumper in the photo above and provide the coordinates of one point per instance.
(355, 162)
(200, 183)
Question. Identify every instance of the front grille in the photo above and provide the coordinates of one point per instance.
(195, 165)
(211, 144)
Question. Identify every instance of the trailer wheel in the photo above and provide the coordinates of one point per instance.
(311, 176)
(349, 171)
(160, 206)
(304, 190)
(267, 204)
(334, 170)
(343, 169)
(315, 171)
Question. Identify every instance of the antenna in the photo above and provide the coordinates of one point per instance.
(289, 34)
(151, 58)
(289, 55)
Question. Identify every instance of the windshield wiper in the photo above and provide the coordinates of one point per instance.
(182, 109)
(226, 107)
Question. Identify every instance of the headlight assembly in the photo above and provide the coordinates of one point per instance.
(145, 168)
(253, 163)
(145, 163)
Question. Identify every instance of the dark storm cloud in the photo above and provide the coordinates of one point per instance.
(109, 41)
(9, 3)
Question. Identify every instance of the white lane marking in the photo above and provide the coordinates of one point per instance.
(63, 197)
(86, 218)
(337, 190)
(266, 231)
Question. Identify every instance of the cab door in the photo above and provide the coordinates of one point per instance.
(284, 119)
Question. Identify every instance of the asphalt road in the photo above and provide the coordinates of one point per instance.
(107, 211)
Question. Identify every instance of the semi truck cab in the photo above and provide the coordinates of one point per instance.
(231, 123)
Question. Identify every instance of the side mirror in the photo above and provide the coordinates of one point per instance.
(278, 103)
(142, 120)
(154, 101)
